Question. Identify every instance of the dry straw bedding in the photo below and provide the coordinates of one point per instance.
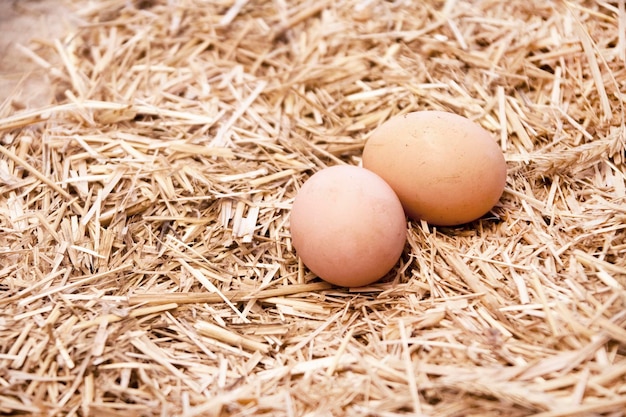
(145, 254)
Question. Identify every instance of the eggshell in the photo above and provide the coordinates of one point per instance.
(348, 226)
(446, 169)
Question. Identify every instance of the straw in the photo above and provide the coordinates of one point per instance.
(146, 263)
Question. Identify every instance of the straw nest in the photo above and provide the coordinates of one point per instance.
(145, 251)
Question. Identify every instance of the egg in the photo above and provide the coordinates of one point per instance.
(446, 169)
(348, 226)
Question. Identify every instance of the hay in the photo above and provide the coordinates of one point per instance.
(145, 255)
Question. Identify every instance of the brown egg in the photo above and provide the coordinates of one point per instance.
(348, 226)
(446, 169)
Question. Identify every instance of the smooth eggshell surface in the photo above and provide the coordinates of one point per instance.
(348, 226)
(446, 169)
